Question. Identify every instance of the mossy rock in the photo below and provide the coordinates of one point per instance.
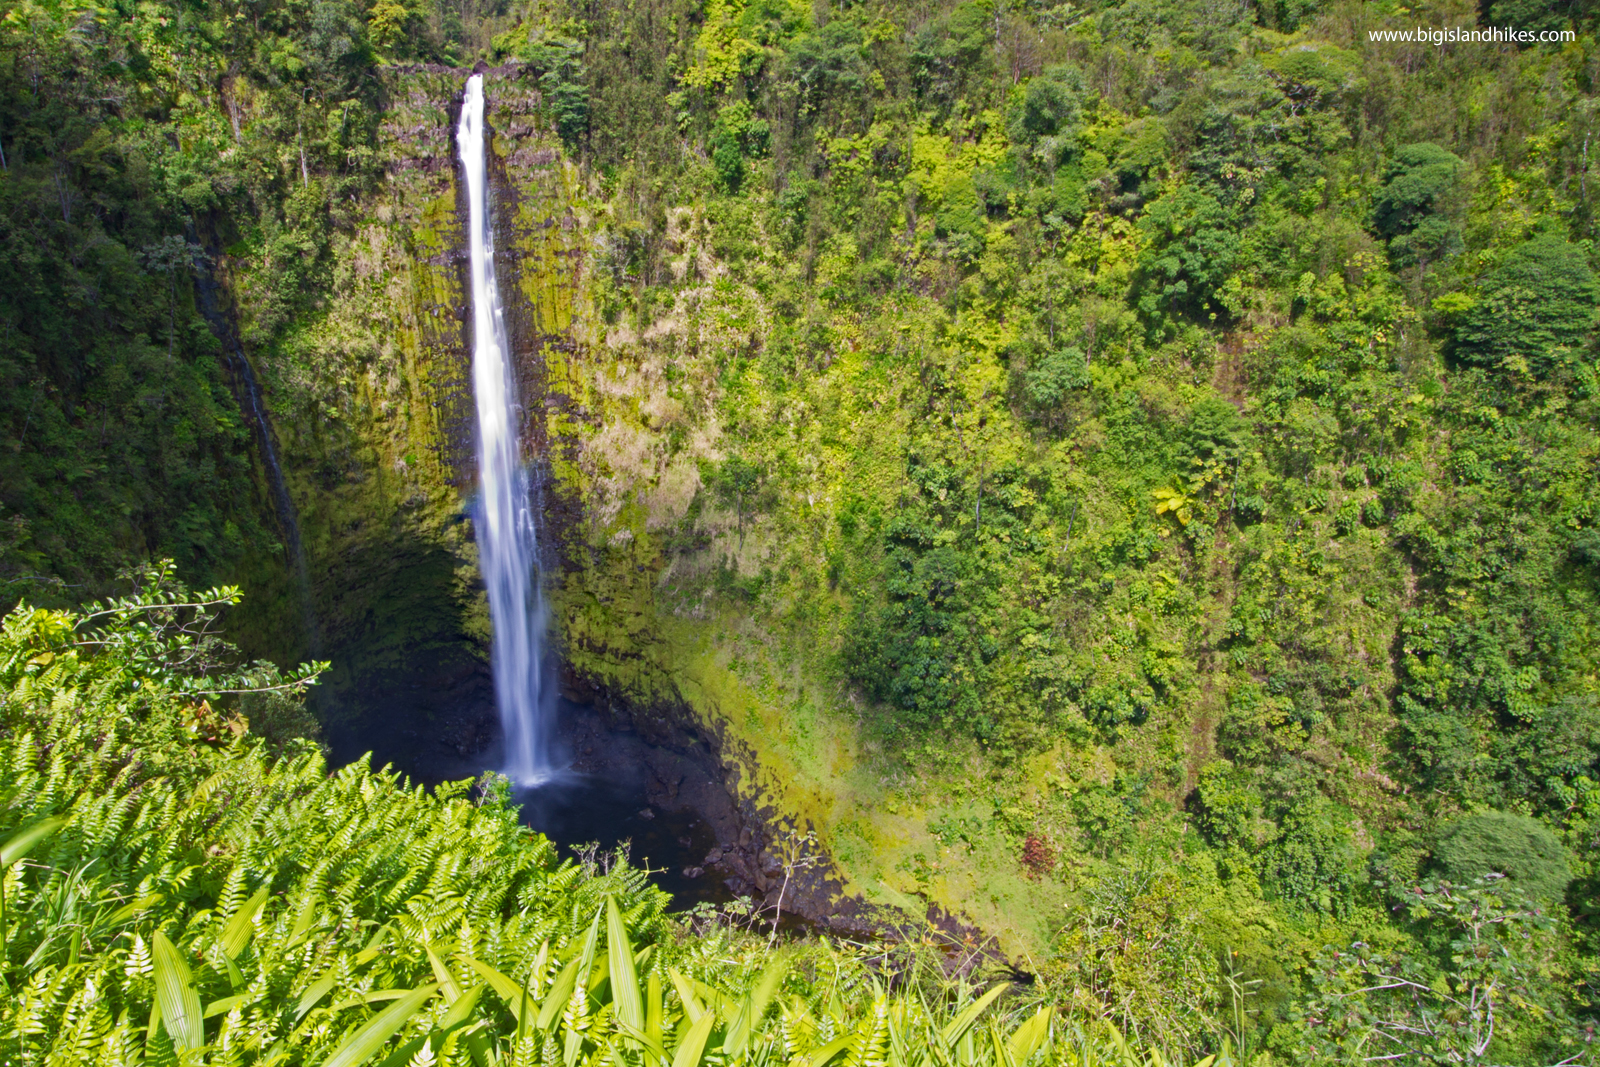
(1498, 842)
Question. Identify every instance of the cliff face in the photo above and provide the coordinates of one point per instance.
(370, 399)
(371, 406)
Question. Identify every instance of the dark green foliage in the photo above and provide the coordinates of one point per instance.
(735, 136)
(828, 67)
(962, 220)
(736, 482)
(1195, 244)
(1533, 14)
(1313, 864)
(1420, 181)
(949, 53)
(1047, 386)
(560, 66)
(1514, 846)
(1535, 312)
(1049, 115)
(921, 651)
(1485, 988)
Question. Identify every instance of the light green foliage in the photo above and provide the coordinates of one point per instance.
(1134, 954)
(1123, 467)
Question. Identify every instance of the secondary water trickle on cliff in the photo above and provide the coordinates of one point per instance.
(507, 523)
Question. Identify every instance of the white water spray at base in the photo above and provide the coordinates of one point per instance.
(507, 524)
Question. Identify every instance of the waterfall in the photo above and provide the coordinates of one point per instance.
(507, 523)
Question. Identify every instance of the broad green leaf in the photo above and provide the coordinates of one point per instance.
(956, 1028)
(447, 981)
(560, 993)
(653, 1007)
(20, 843)
(650, 1045)
(461, 1010)
(217, 1007)
(175, 992)
(824, 1055)
(755, 1005)
(510, 992)
(693, 1045)
(1027, 1038)
(1002, 1056)
(128, 911)
(237, 934)
(717, 999)
(316, 992)
(574, 1041)
(599, 971)
(377, 996)
(691, 1003)
(365, 1043)
(624, 982)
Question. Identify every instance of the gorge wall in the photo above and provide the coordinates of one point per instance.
(371, 406)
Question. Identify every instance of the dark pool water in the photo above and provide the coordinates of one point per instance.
(611, 796)
(582, 810)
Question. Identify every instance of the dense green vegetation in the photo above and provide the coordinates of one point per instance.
(1199, 395)
(1164, 431)
(180, 889)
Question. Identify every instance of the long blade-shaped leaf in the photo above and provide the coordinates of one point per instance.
(19, 843)
(175, 992)
(651, 1046)
(362, 1045)
(653, 1007)
(318, 990)
(461, 1010)
(1002, 1055)
(691, 1003)
(560, 993)
(510, 992)
(447, 981)
(826, 1053)
(1027, 1038)
(957, 1027)
(693, 1045)
(755, 1005)
(237, 934)
(625, 999)
(217, 1007)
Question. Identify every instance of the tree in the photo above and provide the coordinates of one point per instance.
(1534, 312)
(1048, 117)
(828, 65)
(1194, 248)
(1420, 179)
(735, 481)
(1499, 843)
(1133, 955)
(1047, 386)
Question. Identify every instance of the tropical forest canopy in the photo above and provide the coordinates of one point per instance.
(1166, 433)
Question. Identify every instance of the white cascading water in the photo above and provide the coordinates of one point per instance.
(507, 524)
